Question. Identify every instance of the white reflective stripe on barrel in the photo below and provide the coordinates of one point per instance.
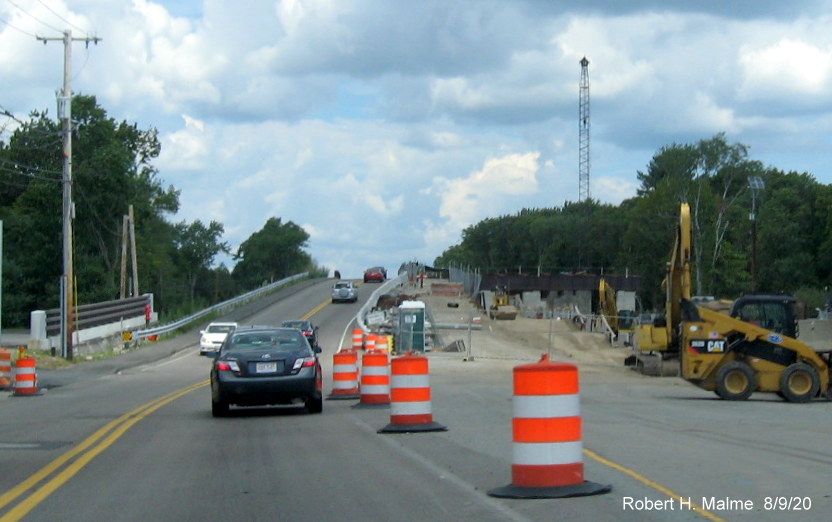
(375, 389)
(546, 406)
(411, 381)
(546, 453)
(410, 408)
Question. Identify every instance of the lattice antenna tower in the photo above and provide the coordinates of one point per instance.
(583, 132)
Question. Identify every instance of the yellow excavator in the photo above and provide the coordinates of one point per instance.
(754, 348)
(606, 300)
(621, 322)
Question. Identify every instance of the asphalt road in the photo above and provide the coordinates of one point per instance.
(133, 439)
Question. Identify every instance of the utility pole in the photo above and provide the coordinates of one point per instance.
(128, 229)
(65, 114)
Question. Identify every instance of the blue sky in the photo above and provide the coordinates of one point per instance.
(384, 128)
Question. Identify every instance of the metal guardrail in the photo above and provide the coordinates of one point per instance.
(400, 280)
(170, 327)
(373, 300)
(97, 314)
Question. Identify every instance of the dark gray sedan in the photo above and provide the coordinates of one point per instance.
(266, 365)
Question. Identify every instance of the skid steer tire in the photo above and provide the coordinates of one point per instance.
(735, 381)
(799, 382)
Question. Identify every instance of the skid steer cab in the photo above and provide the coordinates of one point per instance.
(754, 349)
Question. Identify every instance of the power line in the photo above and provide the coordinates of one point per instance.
(5, 112)
(17, 28)
(17, 169)
(60, 17)
(33, 17)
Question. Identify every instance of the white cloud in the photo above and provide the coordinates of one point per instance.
(786, 68)
(612, 189)
(369, 125)
(489, 192)
(186, 149)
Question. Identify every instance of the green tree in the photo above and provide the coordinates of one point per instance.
(197, 246)
(112, 169)
(790, 232)
(272, 253)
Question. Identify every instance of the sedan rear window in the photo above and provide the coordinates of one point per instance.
(284, 341)
(294, 324)
(219, 328)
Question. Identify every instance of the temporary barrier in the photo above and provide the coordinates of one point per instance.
(547, 451)
(5, 368)
(358, 339)
(375, 378)
(345, 375)
(370, 342)
(25, 376)
(410, 398)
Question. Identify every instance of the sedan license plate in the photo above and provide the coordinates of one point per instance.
(266, 367)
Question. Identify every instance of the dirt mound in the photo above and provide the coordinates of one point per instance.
(561, 339)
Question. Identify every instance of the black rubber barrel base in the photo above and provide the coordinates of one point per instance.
(584, 489)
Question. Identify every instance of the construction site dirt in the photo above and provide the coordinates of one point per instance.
(516, 340)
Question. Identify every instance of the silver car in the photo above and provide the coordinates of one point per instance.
(344, 291)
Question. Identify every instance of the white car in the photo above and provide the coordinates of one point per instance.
(344, 291)
(212, 337)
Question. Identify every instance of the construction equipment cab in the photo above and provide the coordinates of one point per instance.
(754, 349)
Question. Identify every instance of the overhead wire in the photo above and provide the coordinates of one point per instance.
(15, 167)
(61, 17)
(17, 28)
(33, 17)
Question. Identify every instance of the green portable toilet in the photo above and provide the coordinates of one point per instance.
(411, 331)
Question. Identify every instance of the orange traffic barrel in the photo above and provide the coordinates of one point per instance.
(25, 376)
(344, 375)
(375, 378)
(547, 450)
(382, 343)
(370, 342)
(5, 368)
(410, 398)
(357, 339)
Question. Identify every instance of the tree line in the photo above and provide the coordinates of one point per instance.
(112, 169)
(792, 217)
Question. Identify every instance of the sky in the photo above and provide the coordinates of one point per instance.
(384, 128)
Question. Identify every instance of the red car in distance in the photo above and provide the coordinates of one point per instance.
(376, 273)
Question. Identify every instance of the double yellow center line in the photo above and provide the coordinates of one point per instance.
(67, 465)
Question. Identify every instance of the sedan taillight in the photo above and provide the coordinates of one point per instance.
(228, 366)
(303, 362)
